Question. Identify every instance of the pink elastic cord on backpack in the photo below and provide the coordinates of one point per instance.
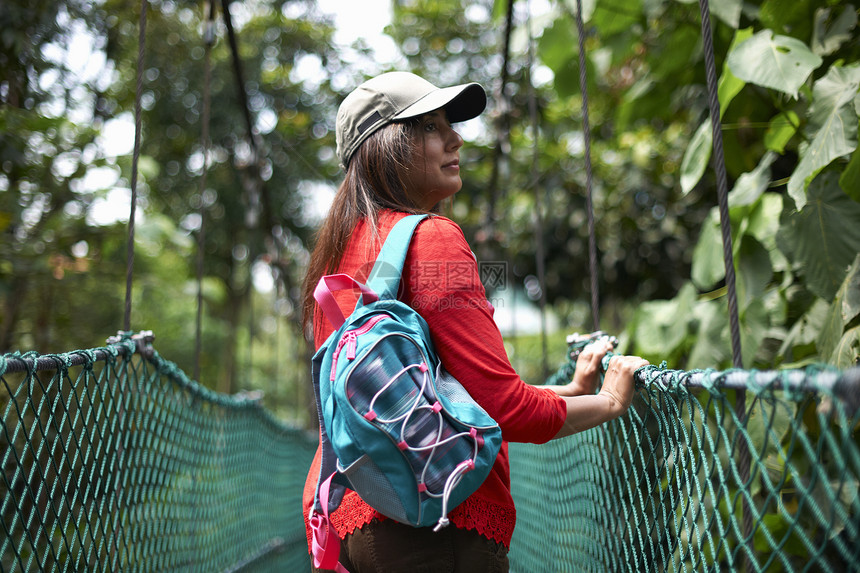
(325, 545)
(477, 437)
(450, 484)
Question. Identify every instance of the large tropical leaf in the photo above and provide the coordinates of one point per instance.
(763, 224)
(699, 151)
(848, 350)
(833, 117)
(844, 308)
(824, 237)
(587, 7)
(557, 45)
(851, 298)
(614, 16)
(780, 130)
(850, 179)
(799, 342)
(831, 32)
(729, 11)
(779, 62)
(662, 325)
(753, 271)
(708, 267)
(696, 157)
(754, 322)
(711, 347)
(750, 186)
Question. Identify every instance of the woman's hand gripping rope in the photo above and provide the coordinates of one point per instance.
(585, 409)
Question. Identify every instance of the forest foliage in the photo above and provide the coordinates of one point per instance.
(789, 75)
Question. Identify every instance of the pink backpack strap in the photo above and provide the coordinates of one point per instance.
(324, 296)
(325, 545)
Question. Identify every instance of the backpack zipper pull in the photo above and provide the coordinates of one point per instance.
(350, 340)
(351, 344)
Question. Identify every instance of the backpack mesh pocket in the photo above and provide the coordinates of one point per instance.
(376, 490)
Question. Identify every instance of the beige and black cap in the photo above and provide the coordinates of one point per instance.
(395, 96)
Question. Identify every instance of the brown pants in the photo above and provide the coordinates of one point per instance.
(392, 547)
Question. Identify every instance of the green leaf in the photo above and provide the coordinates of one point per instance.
(614, 16)
(806, 330)
(729, 11)
(769, 421)
(845, 306)
(587, 8)
(847, 352)
(711, 347)
(778, 62)
(696, 157)
(836, 125)
(780, 130)
(828, 35)
(500, 8)
(730, 85)
(837, 138)
(698, 153)
(824, 237)
(677, 54)
(851, 288)
(662, 325)
(557, 46)
(754, 323)
(763, 220)
(850, 179)
(750, 186)
(831, 330)
(794, 16)
(708, 267)
(753, 270)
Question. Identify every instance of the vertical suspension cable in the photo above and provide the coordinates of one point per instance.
(129, 272)
(502, 125)
(722, 192)
(118, 542)
(586, 129)
(208, 40)
(726, 229)
(540, 252)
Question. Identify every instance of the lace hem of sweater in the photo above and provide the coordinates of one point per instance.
(491, 520)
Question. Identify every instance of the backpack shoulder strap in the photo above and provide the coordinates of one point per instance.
(384, 277)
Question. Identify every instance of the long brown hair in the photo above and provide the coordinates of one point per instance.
(374, 181)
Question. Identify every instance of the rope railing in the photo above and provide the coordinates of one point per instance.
(662, 488)
(113, 459)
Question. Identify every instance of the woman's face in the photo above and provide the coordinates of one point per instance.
(434, 173)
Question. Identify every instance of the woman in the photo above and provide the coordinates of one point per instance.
(401, 156)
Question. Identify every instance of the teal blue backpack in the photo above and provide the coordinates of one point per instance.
(395, 426)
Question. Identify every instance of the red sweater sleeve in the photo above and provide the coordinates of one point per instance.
(441, 281)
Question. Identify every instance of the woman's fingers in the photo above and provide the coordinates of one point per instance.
(595, 351)
(628, 364)
(588, 362)
(618, 380)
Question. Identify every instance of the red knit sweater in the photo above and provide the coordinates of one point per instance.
(441, 281)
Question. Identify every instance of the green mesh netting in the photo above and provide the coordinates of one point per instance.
(115, 461)
(664, 488)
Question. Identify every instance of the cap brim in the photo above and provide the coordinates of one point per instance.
(461, 103)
